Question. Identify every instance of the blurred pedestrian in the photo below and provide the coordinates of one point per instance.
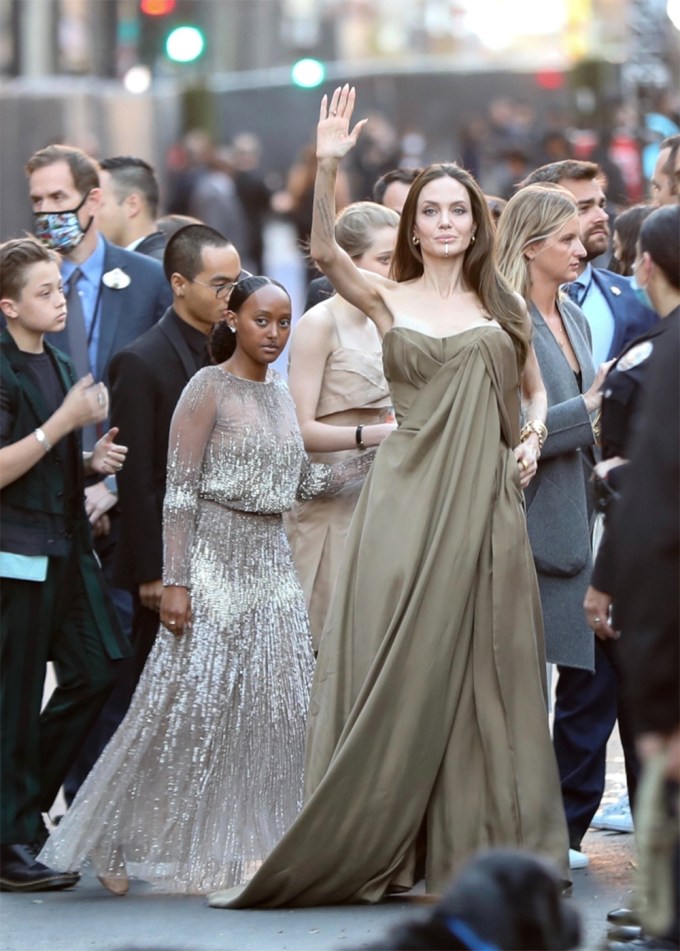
(625, 235)
(665, 185)
(129, 205)
(392, 188)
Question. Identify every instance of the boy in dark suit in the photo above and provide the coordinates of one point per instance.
(54, 602)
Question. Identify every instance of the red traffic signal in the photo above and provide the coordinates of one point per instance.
(157, 8)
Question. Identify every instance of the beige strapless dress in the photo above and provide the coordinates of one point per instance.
(354, 390)
(428, 736)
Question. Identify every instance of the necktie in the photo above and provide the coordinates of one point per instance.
(76, 334)
(576, 292)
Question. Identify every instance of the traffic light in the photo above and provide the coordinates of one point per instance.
(308, 73)
(185, 44)
(157, 8)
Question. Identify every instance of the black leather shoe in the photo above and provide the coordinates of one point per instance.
(623, 916)
(20, 872)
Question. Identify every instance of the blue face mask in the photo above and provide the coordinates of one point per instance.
(60, 230)
(641, 293)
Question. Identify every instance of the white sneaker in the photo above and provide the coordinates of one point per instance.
(616, 817)
(578, 859)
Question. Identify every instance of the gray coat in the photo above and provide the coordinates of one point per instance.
(558, 509)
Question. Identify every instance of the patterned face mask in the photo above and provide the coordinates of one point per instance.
(60, 230)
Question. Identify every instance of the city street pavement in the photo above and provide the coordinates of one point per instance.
(87, 918)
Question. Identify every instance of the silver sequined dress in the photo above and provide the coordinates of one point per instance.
(204, 774)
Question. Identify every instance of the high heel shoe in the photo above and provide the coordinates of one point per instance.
(115, 884)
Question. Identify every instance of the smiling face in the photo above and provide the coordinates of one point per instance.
(39, 309)
(590, 201)
(557, 259)
(443, 224)
(378, 255)
(196, 299)
(262, 324)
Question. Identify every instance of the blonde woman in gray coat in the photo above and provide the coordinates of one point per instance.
(539, 249)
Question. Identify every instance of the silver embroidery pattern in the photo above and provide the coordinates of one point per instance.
(204, 775)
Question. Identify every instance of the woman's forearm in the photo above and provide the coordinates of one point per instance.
(322, 244)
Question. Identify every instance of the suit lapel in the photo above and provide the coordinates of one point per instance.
(17, 361)
(168, 327)
(111, 304)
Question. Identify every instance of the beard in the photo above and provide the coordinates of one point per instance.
(595, 243)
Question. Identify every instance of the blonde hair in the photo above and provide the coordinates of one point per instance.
(533, 214)
(357, 223)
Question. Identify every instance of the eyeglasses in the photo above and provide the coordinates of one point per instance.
(221, 290)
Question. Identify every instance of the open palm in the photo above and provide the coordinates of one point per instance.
(333, 136)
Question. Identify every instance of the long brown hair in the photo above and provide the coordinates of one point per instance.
(479, 264)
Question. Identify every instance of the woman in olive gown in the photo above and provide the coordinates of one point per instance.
(428, 736)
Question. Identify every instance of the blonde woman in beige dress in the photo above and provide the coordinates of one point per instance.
(341, 399)
(428, 737)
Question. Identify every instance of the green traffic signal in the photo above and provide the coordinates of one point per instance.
(185, 44)
(308, 73)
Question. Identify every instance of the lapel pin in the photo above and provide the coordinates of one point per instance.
(616, 291)
(116, 279)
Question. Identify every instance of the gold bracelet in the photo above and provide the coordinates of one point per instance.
(536, 428)
(596, 427)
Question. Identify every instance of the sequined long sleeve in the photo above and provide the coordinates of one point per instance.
(319, 479)
(192, 425)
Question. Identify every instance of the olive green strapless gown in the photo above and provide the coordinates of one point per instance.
(428, 733)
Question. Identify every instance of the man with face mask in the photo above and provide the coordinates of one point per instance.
(113, 295)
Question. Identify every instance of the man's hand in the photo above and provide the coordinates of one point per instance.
(597, 605)
(150, 593)
(98, 501)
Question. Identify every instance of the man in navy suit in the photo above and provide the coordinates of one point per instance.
(608, 301)
(586, 704)
(147, 379)
(113, 296)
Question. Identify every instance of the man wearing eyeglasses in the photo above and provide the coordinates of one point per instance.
(147, 379)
